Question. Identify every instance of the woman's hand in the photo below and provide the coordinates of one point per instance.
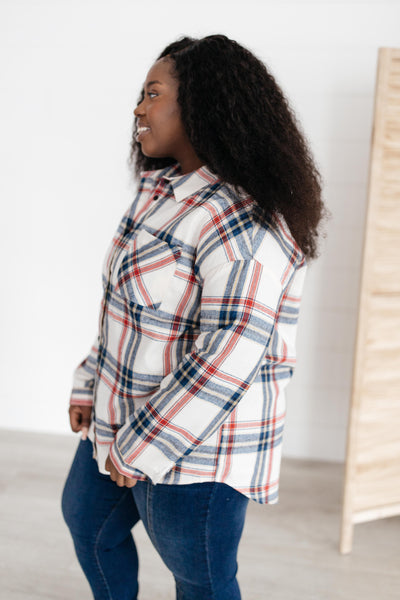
(116, 476)
(79, 418)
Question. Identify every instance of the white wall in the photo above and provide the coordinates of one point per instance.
(70, 74)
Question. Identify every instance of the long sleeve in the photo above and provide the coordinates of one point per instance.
(84, 378)
(239, 306)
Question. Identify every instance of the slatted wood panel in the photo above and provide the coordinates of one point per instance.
(372, 480)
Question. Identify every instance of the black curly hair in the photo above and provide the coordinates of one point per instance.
(242, 127)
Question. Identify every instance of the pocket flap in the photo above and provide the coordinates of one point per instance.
(146, 270)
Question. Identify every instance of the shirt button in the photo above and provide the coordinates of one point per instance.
(156, 197)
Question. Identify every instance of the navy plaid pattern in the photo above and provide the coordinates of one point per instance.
(196, 338)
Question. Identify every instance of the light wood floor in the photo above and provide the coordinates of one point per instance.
(288, 552)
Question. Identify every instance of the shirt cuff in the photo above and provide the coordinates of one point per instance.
(151, 462)
(82, 396)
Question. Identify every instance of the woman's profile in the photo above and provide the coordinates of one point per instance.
(183, 392)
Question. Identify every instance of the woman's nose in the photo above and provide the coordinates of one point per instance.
(139, 110)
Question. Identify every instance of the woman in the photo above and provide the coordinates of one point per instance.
(184, 388)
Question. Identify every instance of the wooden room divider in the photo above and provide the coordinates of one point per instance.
(372, 478)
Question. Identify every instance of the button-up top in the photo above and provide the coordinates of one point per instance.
(196, 339)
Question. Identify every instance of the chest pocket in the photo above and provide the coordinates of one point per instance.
(146, 270)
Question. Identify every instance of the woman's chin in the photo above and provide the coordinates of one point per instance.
(152, 152)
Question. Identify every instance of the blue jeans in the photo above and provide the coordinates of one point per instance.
(195, 528)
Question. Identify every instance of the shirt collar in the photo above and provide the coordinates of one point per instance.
(184, 186)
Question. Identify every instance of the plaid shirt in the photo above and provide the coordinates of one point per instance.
(196, 338)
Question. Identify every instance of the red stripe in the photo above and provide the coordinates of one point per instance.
(117, 374)
(231, 426)
(196, 472)
(175, 325)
